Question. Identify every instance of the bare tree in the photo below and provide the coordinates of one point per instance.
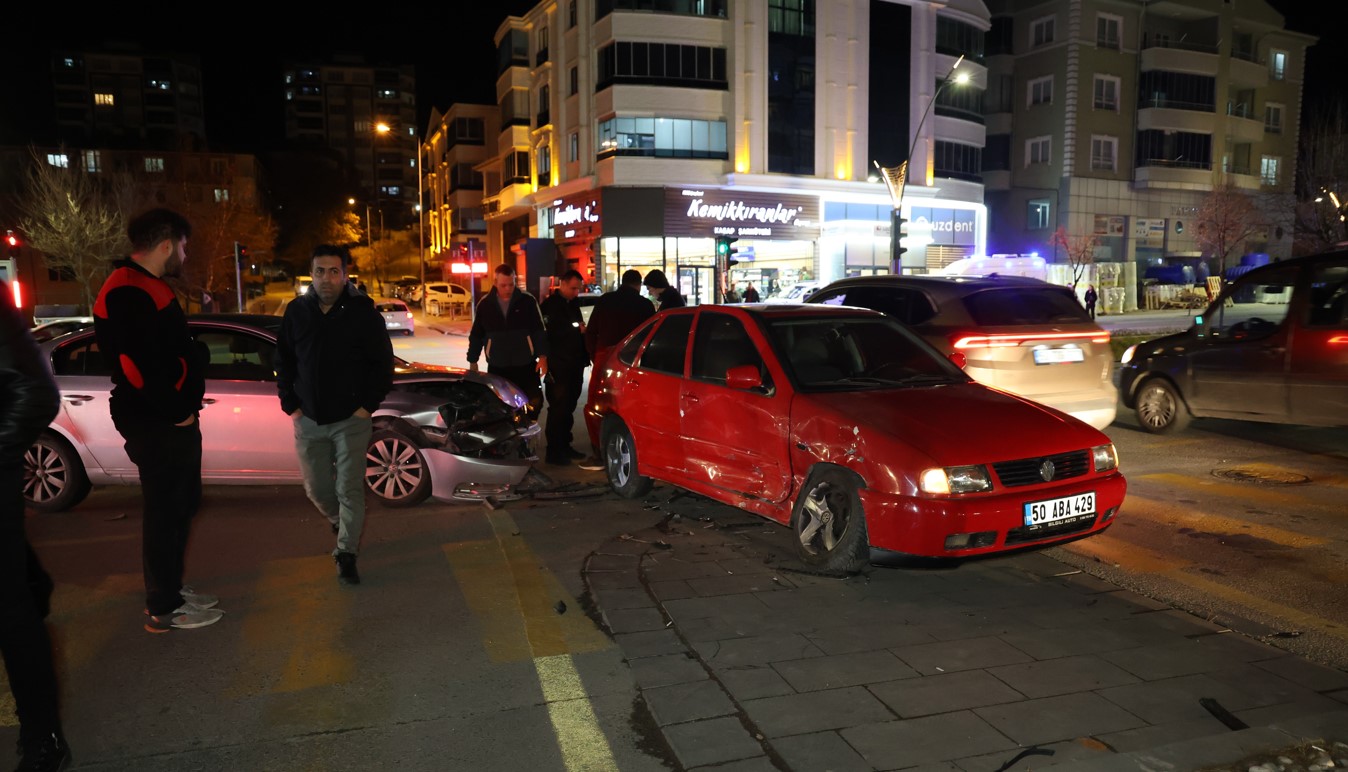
(1227, 218)
(1322, 179)
(76, 219)
(216, 226)
(1080, 251)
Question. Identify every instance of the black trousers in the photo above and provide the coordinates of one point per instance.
(169, 461)
(563, 392)
(25, 597)
(525, 377)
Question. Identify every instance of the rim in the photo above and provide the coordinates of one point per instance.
(45, 473)
(619, 460)
(393, 468)
(1157, 407)
(826, 513)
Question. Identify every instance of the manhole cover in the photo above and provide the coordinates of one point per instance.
(1261, 476)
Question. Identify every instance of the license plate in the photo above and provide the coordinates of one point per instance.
(1057, 356)
(1039, 513)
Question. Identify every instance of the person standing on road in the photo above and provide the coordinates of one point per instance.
(750, 294)
(508, 328)
(615, 314)
(1091, 297)
(567, 360)
(158, 377)
(334, 365)
(28, 403)
(666, 295)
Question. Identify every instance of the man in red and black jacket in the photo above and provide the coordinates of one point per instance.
(158, 383)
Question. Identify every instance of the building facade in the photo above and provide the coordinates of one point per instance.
(455, 145)
(1113, 119)
(634, 134)
(367, 114)
(128, 99)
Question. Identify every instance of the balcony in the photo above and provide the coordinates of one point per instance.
(1160, 53)
(1241, 129)
(1162, 173)
(1169, 114)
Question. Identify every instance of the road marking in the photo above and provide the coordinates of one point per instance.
(1177, 514)
(514, 597)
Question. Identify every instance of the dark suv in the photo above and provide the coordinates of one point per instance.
(1017, 334)
(1273, 347)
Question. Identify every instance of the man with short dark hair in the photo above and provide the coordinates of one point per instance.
(665, 294)
(334, 365)
(567, 360)
(158, 377)
(508, 327)
(615, 314)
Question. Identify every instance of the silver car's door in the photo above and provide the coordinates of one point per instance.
(245, 437)
(85, 381)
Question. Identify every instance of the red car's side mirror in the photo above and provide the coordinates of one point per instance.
(959, 359)
(743, 377)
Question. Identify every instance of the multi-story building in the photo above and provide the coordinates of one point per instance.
(1115, 118)
(634, 133)
(342, 104)
(126, 98)
(455, 144)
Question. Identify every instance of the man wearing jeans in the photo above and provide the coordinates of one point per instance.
(334, 365)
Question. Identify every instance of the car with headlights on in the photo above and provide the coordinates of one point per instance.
(1018, 334)
(848, 427)
(441, 432)
(397, 316)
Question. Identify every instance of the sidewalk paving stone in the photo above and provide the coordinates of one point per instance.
(634, 620)
(651, 672)
(1167, 660)
(749, 682)
(1153, 736)
(879, 635)
(815, 711)
(839, 670)
(712, 741)
(1068, 751)
(680, 703)
(1067, 641)
(895, 744)
(671, 590)
(730, 584)
(609, 562)
(742, 605)
(623, 599)
(756, 764)
(944, 693)
(755, 650)
(650, 644)
(1064, 717)
(1049, 677)
(1309, 674)
(823, 750)
(968, 654)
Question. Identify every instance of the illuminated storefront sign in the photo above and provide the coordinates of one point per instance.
(576, 217)
(709, 212)
(946, 226)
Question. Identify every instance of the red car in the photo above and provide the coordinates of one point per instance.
(846, 426)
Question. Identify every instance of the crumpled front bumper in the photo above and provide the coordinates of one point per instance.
(463, 478)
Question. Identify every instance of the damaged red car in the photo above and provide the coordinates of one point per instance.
(845, 426)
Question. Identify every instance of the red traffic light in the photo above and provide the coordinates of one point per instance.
(11, 239)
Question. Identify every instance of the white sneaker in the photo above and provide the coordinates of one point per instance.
(591, 464)
(198, 599)
(185, 617)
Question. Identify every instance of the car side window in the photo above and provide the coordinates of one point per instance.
(80, 358)
(668, 345)
(1254, 308)
(1329, 296)
(721, 343)
(238, 356)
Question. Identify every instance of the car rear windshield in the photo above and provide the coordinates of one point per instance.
(1024, 305)
(385, 307)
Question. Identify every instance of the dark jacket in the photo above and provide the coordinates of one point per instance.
(158, 370)
(513, 340)
(28, 397)
(671, 298)
(615, 314)
(566, 343)
(328, 365)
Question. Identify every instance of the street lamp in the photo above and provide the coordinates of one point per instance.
(896, 177)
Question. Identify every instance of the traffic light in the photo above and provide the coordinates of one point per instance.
(725, 250)
(12, 243)
(900, 233)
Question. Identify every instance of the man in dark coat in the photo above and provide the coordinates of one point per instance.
(508, 327)
(615, 314)
(334, 366)
(28, 402)
(567, 360)
(665, 294)
(751, 294)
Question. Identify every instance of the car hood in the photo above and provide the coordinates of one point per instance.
(942, 422)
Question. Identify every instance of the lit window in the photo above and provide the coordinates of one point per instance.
(221, 195)
(1037, 217)
(59, 160)
(1041, 91)
(154, 164)
(1041, 32)
(573, 149)
(1268, 171)
(1277, 62)
(103, 100)
(68, 62)
(93, 161)
(1037, 150)
(1104, 151)
(1106, 93)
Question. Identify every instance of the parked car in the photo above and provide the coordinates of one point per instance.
(397, 316)
(1017, 334)
(48, 330)
(793, 293)
(587, 301)
(404, 287)
(302, 284)
(851, 429)
(442, 432)
(442, 297)
(1273, 347)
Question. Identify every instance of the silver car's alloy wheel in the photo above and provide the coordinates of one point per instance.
(395, 470)
(620, 464)
(53, 477)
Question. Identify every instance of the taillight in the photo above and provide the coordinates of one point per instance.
(409, 314)
(1007, 340)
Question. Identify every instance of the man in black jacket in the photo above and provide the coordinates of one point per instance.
(158, 381)
(508, 327)
(665, 294)
(615, 314)
(567, 360)
(28, 402)
(334, 365)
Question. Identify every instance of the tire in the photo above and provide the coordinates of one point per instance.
(1159, 407)
(829, 524)
(620, 464)
(54, 479)
(395, 470)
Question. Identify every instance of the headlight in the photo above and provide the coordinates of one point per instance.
(508, 392)
(1128, 354)
(1104, 457)
(955, 479)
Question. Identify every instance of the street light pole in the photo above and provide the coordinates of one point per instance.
(421, 215)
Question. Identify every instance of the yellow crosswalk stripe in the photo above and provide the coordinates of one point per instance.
(1173, 513)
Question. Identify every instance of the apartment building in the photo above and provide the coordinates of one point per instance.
(123, 98)
(634, 133)
(367, 114)
(1115, 118)
(455, 145)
